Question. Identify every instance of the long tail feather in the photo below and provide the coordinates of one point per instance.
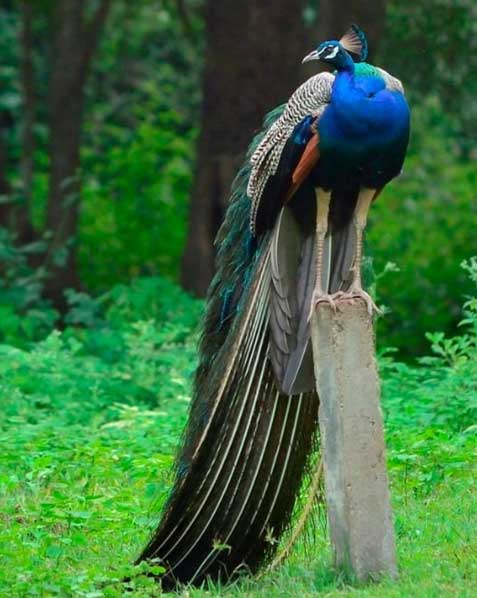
(246, 446)
(253, 424)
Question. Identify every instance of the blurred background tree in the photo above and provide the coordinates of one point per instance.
(122, 125)
(73, 32)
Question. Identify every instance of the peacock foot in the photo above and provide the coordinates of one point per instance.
(356, 294)
(321, 298)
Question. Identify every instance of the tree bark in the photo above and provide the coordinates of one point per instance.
(74, 43)
(23, 225)
(8, 206)
(252, 64)
(14, 214)
(4, 184)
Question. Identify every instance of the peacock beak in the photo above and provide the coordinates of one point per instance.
(315, 55)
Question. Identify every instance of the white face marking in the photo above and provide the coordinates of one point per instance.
(334, 52)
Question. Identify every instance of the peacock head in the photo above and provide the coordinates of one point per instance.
(339, 53)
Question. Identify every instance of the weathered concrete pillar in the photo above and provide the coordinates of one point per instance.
(351, 428)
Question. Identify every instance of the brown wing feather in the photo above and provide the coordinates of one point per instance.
(308, 160)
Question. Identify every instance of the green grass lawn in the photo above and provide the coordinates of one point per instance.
(82, 475)
(78, 502)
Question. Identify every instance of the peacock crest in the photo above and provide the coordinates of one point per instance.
(354, 41)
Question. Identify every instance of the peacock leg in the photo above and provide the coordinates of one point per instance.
(356, 290)
(320, 295)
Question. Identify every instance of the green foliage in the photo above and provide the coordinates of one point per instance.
(70, 492)
(138, 154)
(135, 203)
(432, 46)
(423, 222)
(138, 334)
(138, 136)
(24, 315)
(9, 85)
(442, 392)
(91, 418)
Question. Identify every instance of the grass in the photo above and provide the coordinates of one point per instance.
(75, 503)
(78, 503)
(82, 476)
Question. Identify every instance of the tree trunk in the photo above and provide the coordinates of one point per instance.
(8, 207)
(4, 184)
(252, 64)
(14, 214)
(74, 42)
(67, 77)
(24, 227)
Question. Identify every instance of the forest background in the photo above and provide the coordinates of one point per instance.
(121, 127)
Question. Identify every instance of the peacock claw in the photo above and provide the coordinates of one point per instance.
(319, 297)
(358, 293)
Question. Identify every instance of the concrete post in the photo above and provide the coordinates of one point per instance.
(351, 428)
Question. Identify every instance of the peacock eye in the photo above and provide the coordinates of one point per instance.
(332, 51)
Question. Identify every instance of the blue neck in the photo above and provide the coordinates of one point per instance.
(344, 63)
(344, 84)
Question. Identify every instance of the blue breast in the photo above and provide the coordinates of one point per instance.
(363, 132)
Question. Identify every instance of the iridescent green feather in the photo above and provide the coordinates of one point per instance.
(364, 69)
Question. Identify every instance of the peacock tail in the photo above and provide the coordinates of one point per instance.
(247, 445)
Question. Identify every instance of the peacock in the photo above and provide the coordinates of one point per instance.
(290, 241)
